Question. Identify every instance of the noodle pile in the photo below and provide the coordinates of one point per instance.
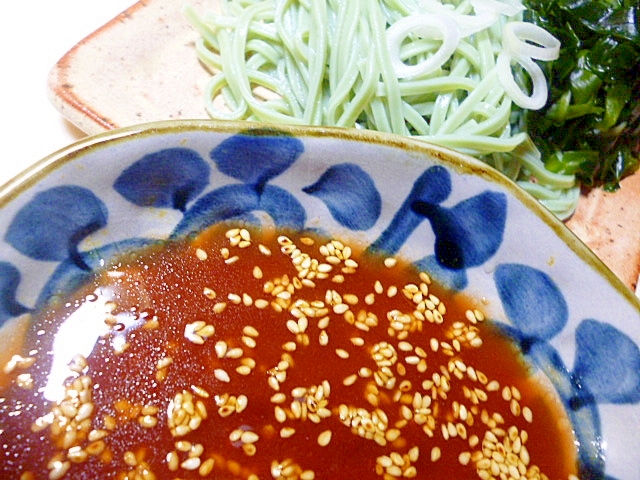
(457, 74)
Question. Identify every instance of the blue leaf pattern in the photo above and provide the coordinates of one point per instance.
(531, 300)
(585, 418)
(225, 203)
(433, 186)
(468, 234)
(9, 281)
(284, 208)
(453, 279)
(607, 363)
(68, 276)
(350, 195)
(257, 156)
(55, 221)
(169, 178)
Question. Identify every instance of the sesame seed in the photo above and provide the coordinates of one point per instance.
(250, 342)
(250, 331)
(206, 467)
(506, 394)
(325, 438)
(249, 437)
(245, 235)
(232, 260)
(350, 299)
(219, 307)
(287, 432)
(340, 308)
(209, 293)
(247, 301)
(527, 414)
(234, 298)
(436, 453)
(350, 380)
(235, 352)
(261, 303)
(264, 250)
(192, 463)
(342, 353)
(148, 421)
(273, 383)
(280, 414)
(464, 458)
(221, 375)
(59, 470)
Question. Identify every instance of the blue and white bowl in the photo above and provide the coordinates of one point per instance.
(471, 228)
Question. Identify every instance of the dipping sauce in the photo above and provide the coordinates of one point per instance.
(254, 354)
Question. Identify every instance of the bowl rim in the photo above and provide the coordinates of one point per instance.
(458, 161)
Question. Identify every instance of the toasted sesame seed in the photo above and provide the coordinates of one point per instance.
(287, 432)
(130, 459)
(232, 232)
(263, 249)
(221, 375)
(436, 453)
(206, 467)
(249, 437)
(308, 475)
(249, 342)
(293, 327)
(192, 463)
(219, 307)
(273, 383)
(250, 331)
(234, 298)
(235, 352)
(340, 308)
(342, 353)
(247, 301)
(506, 394)
(243, 370)
(350, 298)
(261, 303)
(59, 470)
(148, 421)
(350, 380)
(249, 362)
(245, 235)
(325, 438)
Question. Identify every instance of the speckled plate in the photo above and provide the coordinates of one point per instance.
(453, 216)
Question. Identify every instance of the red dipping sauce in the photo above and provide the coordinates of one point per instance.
(251, 354)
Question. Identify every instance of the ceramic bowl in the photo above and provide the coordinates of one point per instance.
(475, 231)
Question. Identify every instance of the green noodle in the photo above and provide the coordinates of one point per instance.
(319, 62)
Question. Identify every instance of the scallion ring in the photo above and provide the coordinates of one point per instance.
(438, 27)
